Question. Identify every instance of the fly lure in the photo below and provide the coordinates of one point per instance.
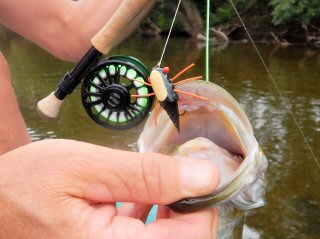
(165, 92)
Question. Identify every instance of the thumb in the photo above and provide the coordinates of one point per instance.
(103, 175)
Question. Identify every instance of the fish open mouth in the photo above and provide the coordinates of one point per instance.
(216, 129)
(219, 119)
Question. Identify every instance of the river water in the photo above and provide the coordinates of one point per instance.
(293, 193)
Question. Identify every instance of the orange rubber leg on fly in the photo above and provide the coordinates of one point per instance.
(183, 71)
(142, 96)
(193, 95)
(189, 79)
(142, 82)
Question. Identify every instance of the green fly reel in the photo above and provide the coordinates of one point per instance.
(113, 92)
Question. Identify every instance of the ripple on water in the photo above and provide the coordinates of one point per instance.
(37, 135)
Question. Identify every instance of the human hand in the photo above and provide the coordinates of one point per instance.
(68, 189)
(64, 27)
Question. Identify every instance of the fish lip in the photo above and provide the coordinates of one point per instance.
(251, 158)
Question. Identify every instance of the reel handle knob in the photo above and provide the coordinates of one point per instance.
(49, 106)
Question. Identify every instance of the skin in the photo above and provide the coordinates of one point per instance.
(63, 27)
(13, 131)
(68, 189)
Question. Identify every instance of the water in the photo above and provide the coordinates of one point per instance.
(293, 196)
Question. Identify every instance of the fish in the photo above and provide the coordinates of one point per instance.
(216, 129)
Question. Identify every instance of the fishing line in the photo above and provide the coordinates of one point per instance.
(208, 42)
(166, 44)
(276, 86)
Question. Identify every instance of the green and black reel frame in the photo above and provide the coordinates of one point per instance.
(107, 90)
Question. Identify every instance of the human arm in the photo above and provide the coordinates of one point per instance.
(68, 189)
(13, 131)
(63, 27)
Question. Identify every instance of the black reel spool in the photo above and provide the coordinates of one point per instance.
(107, 89)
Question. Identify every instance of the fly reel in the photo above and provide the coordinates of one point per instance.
(108, 88)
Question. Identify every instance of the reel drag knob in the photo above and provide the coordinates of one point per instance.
(116, 97)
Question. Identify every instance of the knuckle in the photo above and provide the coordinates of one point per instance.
(151, 176)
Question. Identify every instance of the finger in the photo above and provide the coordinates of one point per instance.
(190, 218)
(101, 174)
(189, 226)
(194, 225)
(135, 210)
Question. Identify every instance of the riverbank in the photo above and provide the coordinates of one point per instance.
(258, 17)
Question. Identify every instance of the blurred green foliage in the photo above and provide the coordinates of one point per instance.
(286, 11)
(162, 14)
(221, 11)
(224, 12)
(280, 11)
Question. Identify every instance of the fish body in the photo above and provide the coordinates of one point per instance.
(218, 130)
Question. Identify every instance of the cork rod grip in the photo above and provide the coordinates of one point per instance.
(125, 14)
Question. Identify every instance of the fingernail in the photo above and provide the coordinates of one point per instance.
(198, 178)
